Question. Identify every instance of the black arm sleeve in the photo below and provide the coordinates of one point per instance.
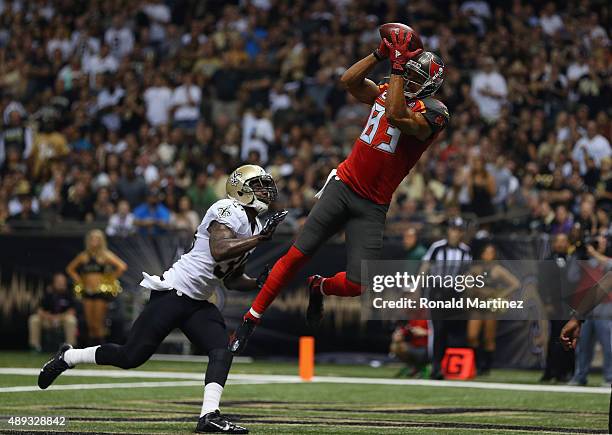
(436, 114)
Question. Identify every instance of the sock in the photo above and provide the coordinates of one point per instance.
(81, 356)
(340, 285)
(281, 274)
(253, 316)
(212, 397)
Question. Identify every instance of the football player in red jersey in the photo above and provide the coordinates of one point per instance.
(403, 122)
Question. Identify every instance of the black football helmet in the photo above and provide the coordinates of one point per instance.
(424, 74)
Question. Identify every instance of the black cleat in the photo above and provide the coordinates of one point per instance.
(214, 422)
(241, 336)
(314, 313)
(54, 367)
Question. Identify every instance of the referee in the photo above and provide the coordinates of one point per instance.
(446, 257)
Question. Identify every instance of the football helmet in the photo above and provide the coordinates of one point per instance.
(252, 186)
(423, 74)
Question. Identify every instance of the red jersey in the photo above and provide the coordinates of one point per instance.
(416, 340)
(382, 156)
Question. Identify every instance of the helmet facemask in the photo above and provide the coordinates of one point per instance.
(423, 75)
(264, 192)
(416, 80)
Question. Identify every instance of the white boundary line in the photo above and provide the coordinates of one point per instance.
(252, 378)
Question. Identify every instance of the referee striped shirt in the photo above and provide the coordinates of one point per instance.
(447, 260)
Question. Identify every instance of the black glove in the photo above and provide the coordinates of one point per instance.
(271, 224)
(261, 279)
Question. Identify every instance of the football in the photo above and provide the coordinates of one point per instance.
(386, 29)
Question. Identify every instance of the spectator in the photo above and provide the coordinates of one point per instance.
(593, 146)
(99, 63)
(77, 203)
(481, 185)
(414, 249)
(185, 218)
(563, 221)
(201, 194)
(131, 187)
(16, 136)
(152, 217)
(186, 100)
(48, 144)
(57, 309)
(119, 38)
(121, 223)
(550, 21)
(489, 90)
(23, 205)
(257, 134)
(158, 99)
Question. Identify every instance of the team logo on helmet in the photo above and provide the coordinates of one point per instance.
(235, 178)
(435, 69)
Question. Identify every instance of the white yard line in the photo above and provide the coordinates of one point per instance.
(252, 378)
(113, 385)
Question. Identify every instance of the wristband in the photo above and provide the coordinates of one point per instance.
(377, 55)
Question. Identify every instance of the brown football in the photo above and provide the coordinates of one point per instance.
(386, 29)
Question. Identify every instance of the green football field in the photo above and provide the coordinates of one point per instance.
(268, 398)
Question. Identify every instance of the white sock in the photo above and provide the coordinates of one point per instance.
(321, 287)
(212, 397)
(81, 356)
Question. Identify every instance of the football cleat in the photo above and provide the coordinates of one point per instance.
(241, 336)
(214, 422)
(54, 367)
(314, 313)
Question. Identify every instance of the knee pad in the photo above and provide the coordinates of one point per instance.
(219, 364)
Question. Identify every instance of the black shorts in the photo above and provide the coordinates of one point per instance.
(341, 208)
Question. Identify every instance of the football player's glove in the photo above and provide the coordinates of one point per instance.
(271, 224)
(241, 336)
(382, 52)
(263, 276)
(399, 53)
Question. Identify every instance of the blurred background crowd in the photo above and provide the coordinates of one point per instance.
(129, 115)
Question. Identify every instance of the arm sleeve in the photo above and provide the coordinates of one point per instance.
(437, 117)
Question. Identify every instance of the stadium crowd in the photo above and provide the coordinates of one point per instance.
(131, 114)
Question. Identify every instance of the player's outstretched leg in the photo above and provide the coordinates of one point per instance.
(54, 367)
(280, 276)
(160, 315)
